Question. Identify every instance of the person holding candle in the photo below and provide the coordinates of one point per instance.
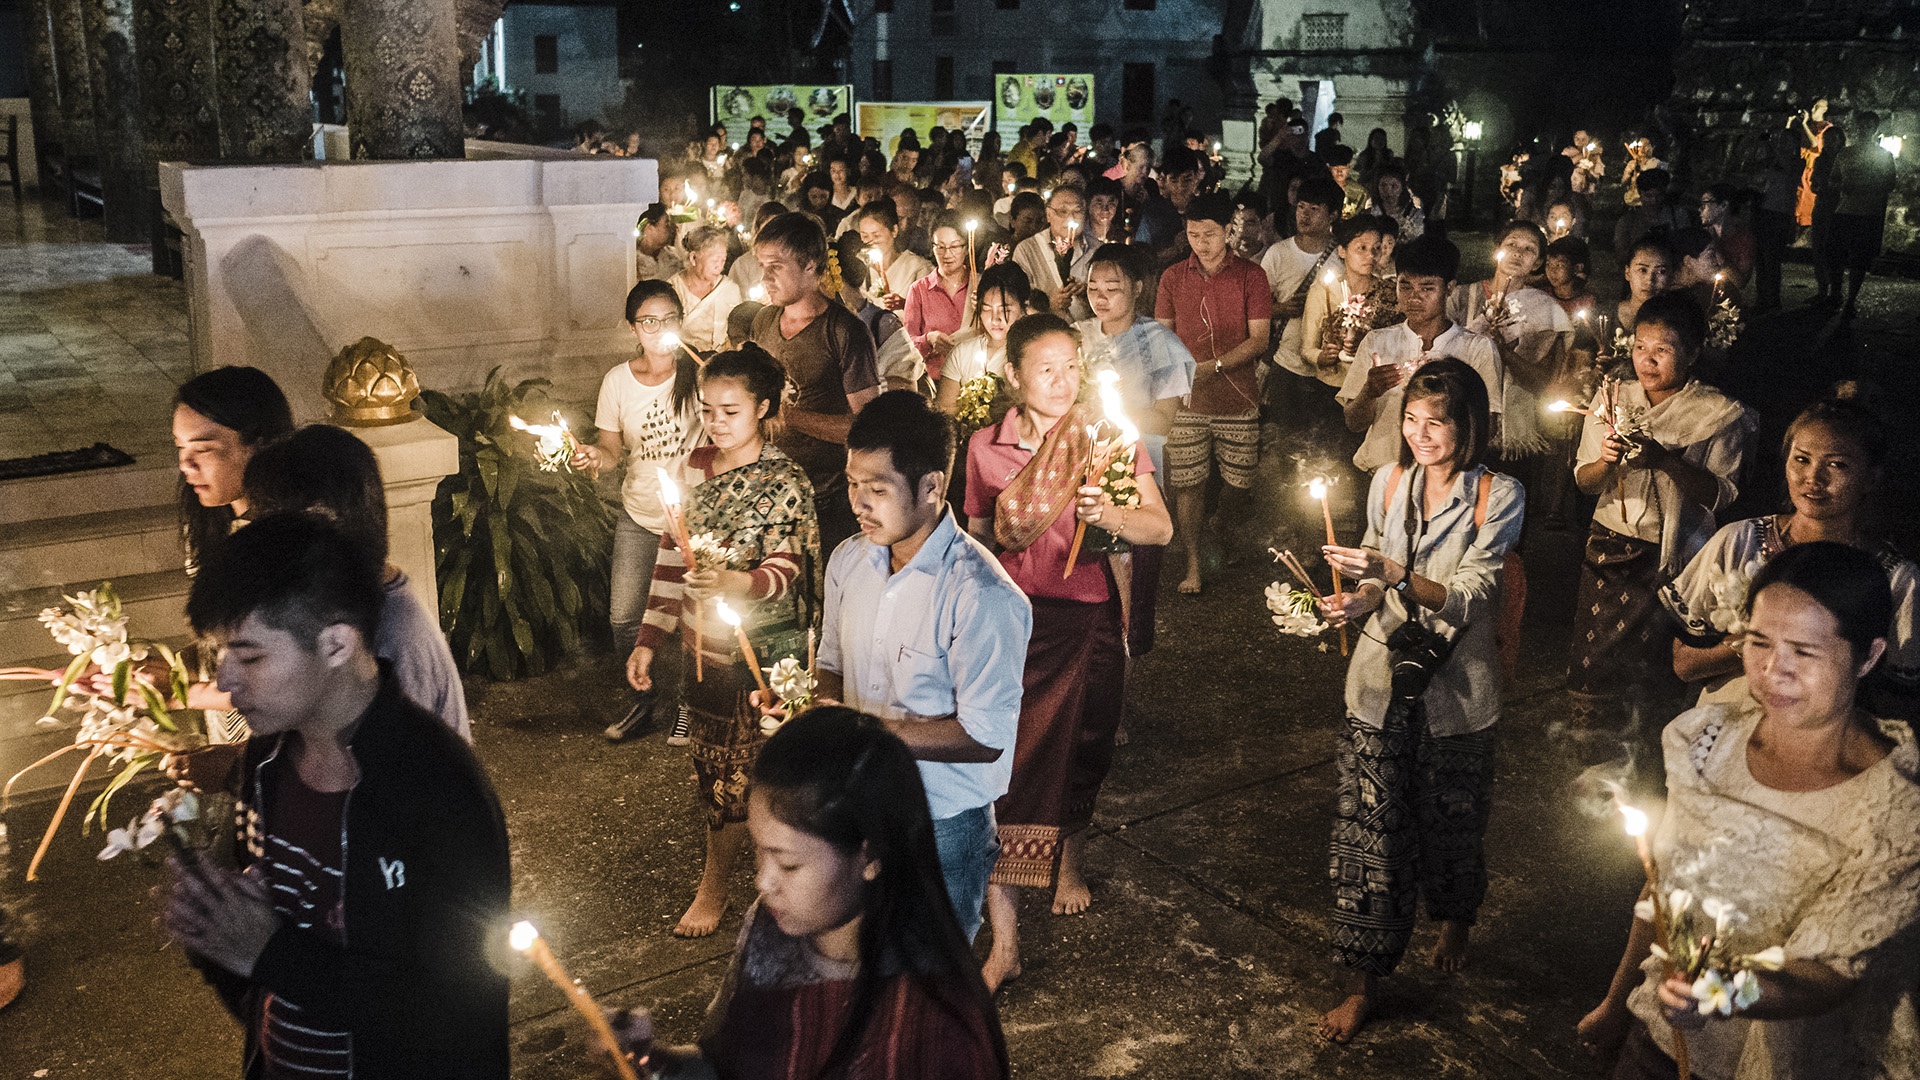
(1835, 453)
(1344, 307)
(745, 271)
(896, 362)
(829, 357)
(1416, 762)
(1371, 396)
(1648, 272)
(757, 507)
(648, 416)
(877, 224)
(1802, 810)
(1664, 454)
(655, 256)
(1391, 198)
(372, 871)
(1221, 306)
(1523, 322)
(1023, 474)
(937, 304)
(706, 294)
(1056, 258)
(851, 963)
(1294, 265)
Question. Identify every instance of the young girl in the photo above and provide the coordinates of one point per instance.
(1835, 452)
(649, 417)
(1023, 474)
(878, 226)
(1669, 461)
(999, 302)
(705, 293)
(1531, 331)
(1328, 331)
(758, 506)
(1439, 526)
(851, 964)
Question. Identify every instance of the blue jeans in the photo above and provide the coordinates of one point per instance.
(969, 844)
(634, 552)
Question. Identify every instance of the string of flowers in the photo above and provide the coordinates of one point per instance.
(130, 725)
(1724, 325)
(974, 410)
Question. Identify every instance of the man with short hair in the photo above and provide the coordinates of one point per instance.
(1160, 218)
(1056, 258)
(1376, 382)
(1222, 309)
(1292, 265)
(1339, 159)
(373, 877)
(924, 629)
(1859, 186)
(830, 359)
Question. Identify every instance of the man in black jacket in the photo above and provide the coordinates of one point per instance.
(374, 871)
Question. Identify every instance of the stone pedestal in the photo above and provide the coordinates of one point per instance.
(459, 265)
(404, 91)
(413, 458)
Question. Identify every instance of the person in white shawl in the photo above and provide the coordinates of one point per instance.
(1664, 454)
(1792, 823)
(1065, 240)
(1532, 332)
(706, 294)
(1835, 453)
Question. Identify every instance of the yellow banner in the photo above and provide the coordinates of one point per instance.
(1019, 99)
(734, 106)
(885, 120)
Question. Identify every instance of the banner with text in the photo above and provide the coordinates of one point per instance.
(1019, 99)
(735, 105)
(885, 120)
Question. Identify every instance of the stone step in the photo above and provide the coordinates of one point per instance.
(151, 481)
(155, 604)
(104, 545)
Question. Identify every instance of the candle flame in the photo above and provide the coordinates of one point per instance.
(522, 936)
(1719, 276)
(1500, 256)
(670, 339)
(1108, 383)
(669, 491)
(727, 614)
(1317, 487)
(1560, 406)
(1328, 277)
(1583, 314)
(758, 294)
(972, 224)
(686, 188)
(1636, 820)
(873, 256)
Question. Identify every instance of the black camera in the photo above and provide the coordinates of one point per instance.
(1414, 654)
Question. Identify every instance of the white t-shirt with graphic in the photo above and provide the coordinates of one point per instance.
(652, 436)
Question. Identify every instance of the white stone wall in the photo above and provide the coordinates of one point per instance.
(459, 265)
(586, 38)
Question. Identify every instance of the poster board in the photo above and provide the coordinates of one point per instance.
(1018, 99)
(885, 120)
(735, 105)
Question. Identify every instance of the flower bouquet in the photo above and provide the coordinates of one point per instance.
(974, 410)
(173, 817)
(1729, 589)
(709, 551)
(1120, 485)
(131, 725)
(1295, 611)
(793, 685)
(554, 444)
(1724, 325)
(1695, 947)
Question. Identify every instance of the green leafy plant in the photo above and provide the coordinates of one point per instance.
(521, 554)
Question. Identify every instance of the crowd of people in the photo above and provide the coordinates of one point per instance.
(931, 416)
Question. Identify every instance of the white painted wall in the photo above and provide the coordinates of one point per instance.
(588, 82)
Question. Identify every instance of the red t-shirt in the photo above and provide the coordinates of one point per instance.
(994, 458)
(304, 867)
(1210, 314)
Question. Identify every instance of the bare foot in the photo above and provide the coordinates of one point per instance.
(702, 917)
(1190, 585)
(1071, 895)
(1346, 1019)
(1450, 952)
(1120, 736)
(1002, 966)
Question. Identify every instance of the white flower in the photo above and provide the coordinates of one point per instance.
(118, 840)
(1772, 959)
(1746, 989)
(1643, 910)
(108, 656)
(1678, 901)
(1721, 912)
(1713, 994)
(791, 682)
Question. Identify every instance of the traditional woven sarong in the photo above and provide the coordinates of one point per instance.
(725, 736)
(1069, 710)
(1620, 666)
(1408, 828)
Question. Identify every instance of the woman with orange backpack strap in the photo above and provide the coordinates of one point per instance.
(1423, 691)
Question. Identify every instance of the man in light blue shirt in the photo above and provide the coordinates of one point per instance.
(924, 630)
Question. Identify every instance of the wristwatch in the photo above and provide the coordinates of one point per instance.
(1406, 578)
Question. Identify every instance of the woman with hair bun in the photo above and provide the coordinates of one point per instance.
(1835, 453)
(707, 295)
(757, 506)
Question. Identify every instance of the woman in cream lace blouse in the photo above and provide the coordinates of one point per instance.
(1802, 812)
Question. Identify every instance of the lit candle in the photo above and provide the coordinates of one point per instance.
(1718, 277)
(670, 502)
(1317, 487)
(732, 618)
(1101, 455)
(879, 276)
(1635, 821)
(525, 939)
(972, 265)
(810, 650)
(757, 294)
(673, 341)
(686, 188)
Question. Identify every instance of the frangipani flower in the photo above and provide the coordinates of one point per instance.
(1771, 959)
(1714, 994)
(1746, 989)
(1721, 912)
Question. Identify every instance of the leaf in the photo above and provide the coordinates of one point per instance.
(66, 681)
(122, 671)
(97, 810)
(157, 708)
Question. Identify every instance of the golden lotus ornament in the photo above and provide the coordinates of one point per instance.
(370, 385)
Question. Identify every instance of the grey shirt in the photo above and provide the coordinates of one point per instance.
(1464, 695)
(409, 638)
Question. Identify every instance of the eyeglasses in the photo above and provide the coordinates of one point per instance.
(955, 246)
(652, 324)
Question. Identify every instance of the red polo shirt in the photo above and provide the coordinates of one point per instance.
(1210, 314)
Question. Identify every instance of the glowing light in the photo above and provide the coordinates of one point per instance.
(670, 339)
(972, 225)
(1108, 383)
(669, 491)
(1317, 487)
(873, 256)
(1560, 406)
(522, 936)
(727, 614)
(758, 294)
(686, 188)
(1892, 144)
(1471, 130)
(1328, 278)
(1636, 820)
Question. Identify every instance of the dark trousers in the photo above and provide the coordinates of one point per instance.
(1773, 234)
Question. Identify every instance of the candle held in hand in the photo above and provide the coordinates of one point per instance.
(732, 618)
(525, 939)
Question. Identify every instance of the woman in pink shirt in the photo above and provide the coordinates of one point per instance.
(1024, 500)
(937, 303)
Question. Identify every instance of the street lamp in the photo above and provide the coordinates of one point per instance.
(1470, 132)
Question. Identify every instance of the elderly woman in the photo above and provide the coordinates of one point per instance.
(1802, 811)
(707, 295)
